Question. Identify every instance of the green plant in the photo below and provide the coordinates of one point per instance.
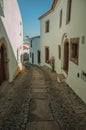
(51, 61)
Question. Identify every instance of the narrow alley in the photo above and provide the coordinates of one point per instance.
(36, 101)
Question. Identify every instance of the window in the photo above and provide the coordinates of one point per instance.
(32, 57)
(60, 22)
(30, 54)
(59, 51)
(31, 43)
(39, 57)
(68, 11)
(47, 26)
(74, 49)
(46, 54)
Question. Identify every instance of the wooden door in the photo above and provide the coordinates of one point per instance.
(39, 57)
(2, 66)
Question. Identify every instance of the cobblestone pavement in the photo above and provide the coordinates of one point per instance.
(68, 109)
(14, 102)
(36, 101)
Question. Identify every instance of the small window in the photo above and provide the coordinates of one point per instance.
(30, 54)
(68, 11)
(47, 26)
(31, 43)
(60, 22)
(74, 49)
(59, 51)
(46, 54)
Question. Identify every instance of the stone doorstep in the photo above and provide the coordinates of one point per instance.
(39, 95)
(43, 125)
(40, 108)
(60, 78)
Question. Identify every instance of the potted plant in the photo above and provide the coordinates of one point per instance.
(51, 61)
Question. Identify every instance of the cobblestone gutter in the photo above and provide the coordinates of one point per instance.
(67, 108)
(14, 102)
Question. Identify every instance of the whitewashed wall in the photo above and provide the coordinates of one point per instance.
(76, 28)
(35, 47)
(11, 30)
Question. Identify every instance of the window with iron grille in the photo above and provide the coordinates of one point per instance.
(59, 51)
(74, 50)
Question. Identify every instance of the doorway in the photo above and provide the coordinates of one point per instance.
(39, 57)
(66, 57)
(32, 58)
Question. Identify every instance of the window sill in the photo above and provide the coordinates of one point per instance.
(74, 60)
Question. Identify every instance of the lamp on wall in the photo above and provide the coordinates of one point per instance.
(83, 39)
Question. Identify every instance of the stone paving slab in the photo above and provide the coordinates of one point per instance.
(37, 81)
(36, 86)
(38, 76)
(41, 109)
(43, 125)
(38, 90)
(39, 95)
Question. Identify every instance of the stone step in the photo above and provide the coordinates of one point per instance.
(43, 125)
(60, 78)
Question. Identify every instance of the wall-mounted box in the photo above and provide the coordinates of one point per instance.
(83, 75)
(83, 39)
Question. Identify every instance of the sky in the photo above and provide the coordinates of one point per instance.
(31, 10)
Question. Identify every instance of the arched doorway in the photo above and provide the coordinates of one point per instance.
(66, 56)
(3, 63)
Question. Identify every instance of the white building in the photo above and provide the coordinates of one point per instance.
(35, 53)
(25, 54)
(63, 35)
(11, 39)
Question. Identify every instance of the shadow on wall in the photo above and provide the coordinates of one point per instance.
(5, 63)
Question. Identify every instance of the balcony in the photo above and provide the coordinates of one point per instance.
(1, 8)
